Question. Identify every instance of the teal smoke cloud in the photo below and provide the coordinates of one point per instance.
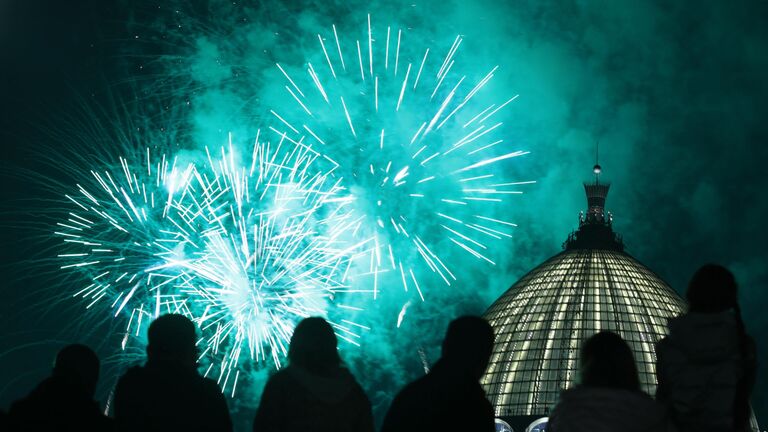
(672, 93)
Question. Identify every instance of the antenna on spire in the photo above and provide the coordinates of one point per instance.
(597, 169)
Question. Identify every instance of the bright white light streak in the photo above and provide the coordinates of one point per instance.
(299, 102)
(80, 264)
(464, 237)
(418, 75)
(403, 173)
(514, 183)
(476, 178)
(386, 51)
(349, 119)
(485, 147)
(416, 135)
(397, 51)
(125, 300)
(448, 56)
(492, 160)
(449, 218)
(316, 80)
(418, 152)
(284, 121)
(480, 85)
(497, 109)
(289, 80)
(360, 58)
(402, 90)
(439, 112)
(472, 120)
(424, 162)
(370, 46)
(327, 57)
(471, 251)
(338, 46)
(234, 385)
(496, 220)
(311, 132)
(450, 201)
(401, 315)
(416, 283)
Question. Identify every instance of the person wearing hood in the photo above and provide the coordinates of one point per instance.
(706, 366)
(314, 393)
(168, 393)
(449, 397)
(609, 398)
(64, 401)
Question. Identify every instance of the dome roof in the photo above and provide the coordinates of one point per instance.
(541, 321)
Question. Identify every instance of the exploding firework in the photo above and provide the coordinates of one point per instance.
(419, 151)
(244, 250)
(384, 162)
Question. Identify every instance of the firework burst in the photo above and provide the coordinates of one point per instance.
(421, 154)
(385, 161)
(243, 249)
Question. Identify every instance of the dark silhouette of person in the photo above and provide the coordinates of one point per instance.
(707, 365)
(168, 393)
(314, 393)
(64, 401)
(449, 397)
(608, 397)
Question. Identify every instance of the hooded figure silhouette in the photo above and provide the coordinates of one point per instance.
(449, 397)
(168, 393)
(314, 393)
(707, 365)
(65, 400)
(608, 398)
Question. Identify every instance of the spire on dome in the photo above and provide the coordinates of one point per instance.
(595, 229)
(596, 194)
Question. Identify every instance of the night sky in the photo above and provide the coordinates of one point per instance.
(675, 93)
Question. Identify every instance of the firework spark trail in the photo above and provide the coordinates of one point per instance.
(245, 250)
(420, 150)
(384, 161)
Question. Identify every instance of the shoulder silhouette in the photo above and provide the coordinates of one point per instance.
(168, 393)
(707, 365)
(64, 401)
(609, 396)
(314, 393)
(449, 397)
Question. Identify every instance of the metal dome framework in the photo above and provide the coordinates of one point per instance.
(542, 320)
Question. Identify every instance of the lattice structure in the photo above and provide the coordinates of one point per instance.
(542, 320)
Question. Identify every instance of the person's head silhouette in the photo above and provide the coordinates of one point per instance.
(78, 365)
(712, 289)
(172, 340)
(607, 361)
(468, 345)
(314, 346)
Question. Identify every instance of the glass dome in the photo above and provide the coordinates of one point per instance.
(541, 321)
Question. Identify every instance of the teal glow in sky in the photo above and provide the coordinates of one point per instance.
(675, 94)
